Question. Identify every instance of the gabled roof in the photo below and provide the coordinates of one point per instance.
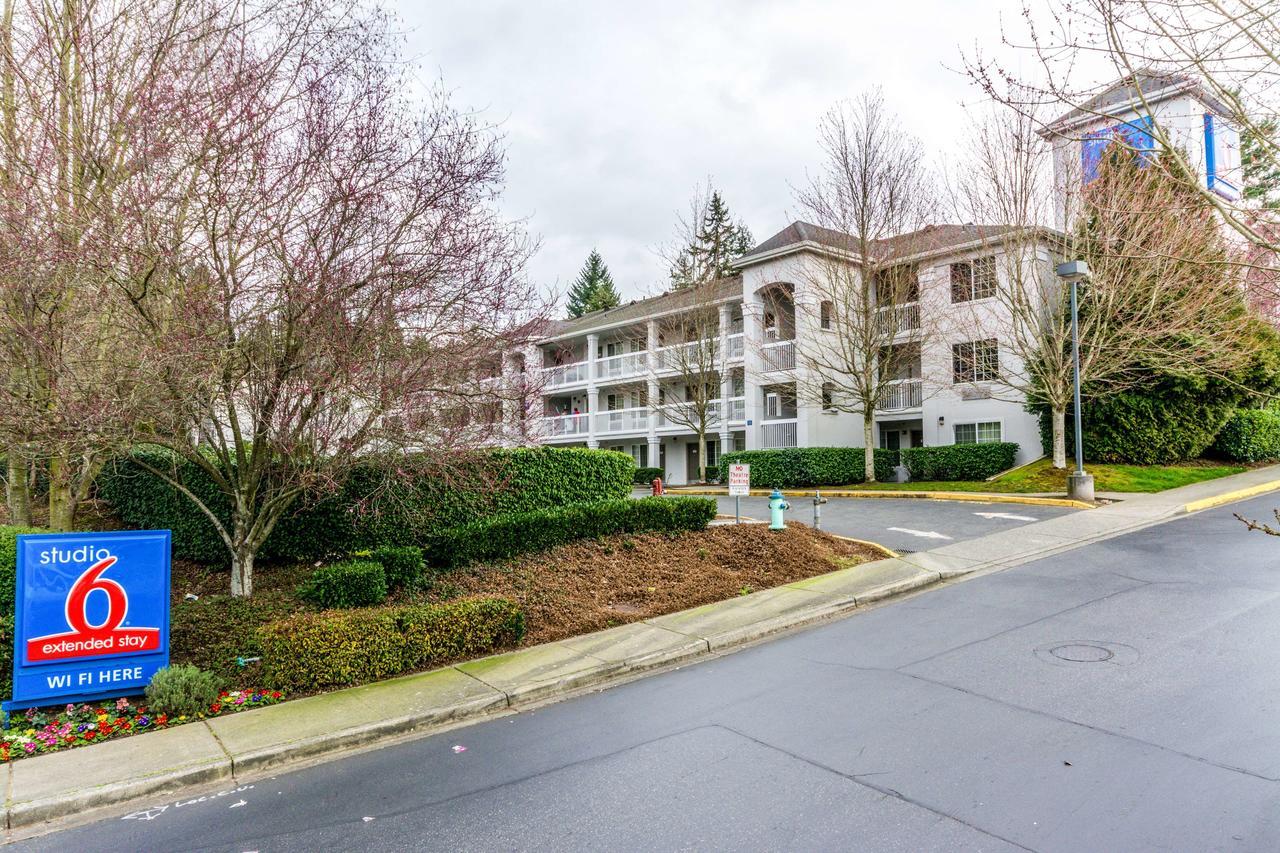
(932, 239)
(643, 309)
(1128, 92)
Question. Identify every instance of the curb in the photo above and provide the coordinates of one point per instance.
(875, 546)
(887, 494)
(1229, 497)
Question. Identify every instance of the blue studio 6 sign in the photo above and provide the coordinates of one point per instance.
(92, 616)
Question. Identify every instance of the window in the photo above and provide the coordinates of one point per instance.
(713, 454)
(1133, 136)
(828, 397)
(974, 279)
(772, 406)
(985, 432)
(975, 361)
(824, 314)
(1222, 157)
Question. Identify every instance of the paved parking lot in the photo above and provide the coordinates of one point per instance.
(906, 524)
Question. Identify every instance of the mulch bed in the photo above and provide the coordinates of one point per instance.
(588, 586)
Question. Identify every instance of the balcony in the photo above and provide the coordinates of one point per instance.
(780, 355)
(780, 433)
(902, 394)
(622, 366)
(567, 374)
(565, 425)
(680, 420)
(737, 345)
(623, 420)
(904, 317)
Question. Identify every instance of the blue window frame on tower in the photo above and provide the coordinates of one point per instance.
(1134, 135)
(1222, 157)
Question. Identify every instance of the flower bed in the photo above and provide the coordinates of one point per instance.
(37, 731)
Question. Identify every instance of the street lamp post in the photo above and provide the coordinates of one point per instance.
(1079, 484)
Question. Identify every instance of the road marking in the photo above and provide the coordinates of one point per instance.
(923, 534)
(1007, 515)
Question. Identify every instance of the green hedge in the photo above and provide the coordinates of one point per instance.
(308, 652)
(798, 467)
(959, 461)
(351, 583)
(1249, 435)
(403, 565)
(9, 567)
(372, 508)
(646, 476)
(506, 536)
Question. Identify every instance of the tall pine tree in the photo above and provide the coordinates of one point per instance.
(718, 243)
(593, 290)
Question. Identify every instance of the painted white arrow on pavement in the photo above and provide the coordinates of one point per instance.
(923, 534)
(1007, 515)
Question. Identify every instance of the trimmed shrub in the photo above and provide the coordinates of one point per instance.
(354, 583)
(1144, 429)
(645, 476)
(507, 536)
(959, 461)
(403, 565)
(798, 467)
(9, 569)
(374, 506)
(1249, 435)
(182, 690)
(308, 652)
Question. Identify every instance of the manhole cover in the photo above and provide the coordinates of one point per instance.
(1082, 653)
(1075, 652)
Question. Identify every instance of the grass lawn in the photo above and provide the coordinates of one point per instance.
(1043, 477)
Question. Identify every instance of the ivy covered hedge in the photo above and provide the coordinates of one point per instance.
(959, 461)
(308, 652)
(9, 572)
(372, 507)
(1249, 435)
(799, 467)
(504, 536)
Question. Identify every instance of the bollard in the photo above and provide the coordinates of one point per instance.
(818, 501)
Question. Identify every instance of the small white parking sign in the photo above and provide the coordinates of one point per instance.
(739, 480)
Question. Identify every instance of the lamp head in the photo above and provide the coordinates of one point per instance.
(1074, 271)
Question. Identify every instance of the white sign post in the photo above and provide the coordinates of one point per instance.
(739, 485)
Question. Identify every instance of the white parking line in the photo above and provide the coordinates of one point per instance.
(1008, 515)
(923, 534)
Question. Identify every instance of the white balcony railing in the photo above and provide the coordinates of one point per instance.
(567, 374)
(683, 414)
(737, 345)
(622, 366)
(901, 318)
(902, 394)
(560, 425)
(778, 434)
(780, 355)
(623, 420)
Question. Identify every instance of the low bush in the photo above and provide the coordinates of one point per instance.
(1249, 435)
(182, 690)
(506, 536)
(317, 651)
(959, 461)
(645, 476)
(9, 567)
(799, 467)
(374, 506)
(353, 583)
(403, 564)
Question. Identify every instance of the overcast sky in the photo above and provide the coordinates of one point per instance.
(613, 112)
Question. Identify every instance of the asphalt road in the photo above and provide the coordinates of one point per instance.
(1123, 696)
(904, 524)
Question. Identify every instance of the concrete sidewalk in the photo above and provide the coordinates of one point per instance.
(252, 744)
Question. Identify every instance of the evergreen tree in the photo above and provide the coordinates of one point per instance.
(593, 290)
(1261, 172)
(718, 243)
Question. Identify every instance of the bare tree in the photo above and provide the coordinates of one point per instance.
(873, 193)
(693, 334)
(345, 279)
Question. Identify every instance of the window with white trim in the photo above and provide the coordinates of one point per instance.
(974, 279)
(825, 311)
(828, 397)
(983, 432)
(975, 361)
